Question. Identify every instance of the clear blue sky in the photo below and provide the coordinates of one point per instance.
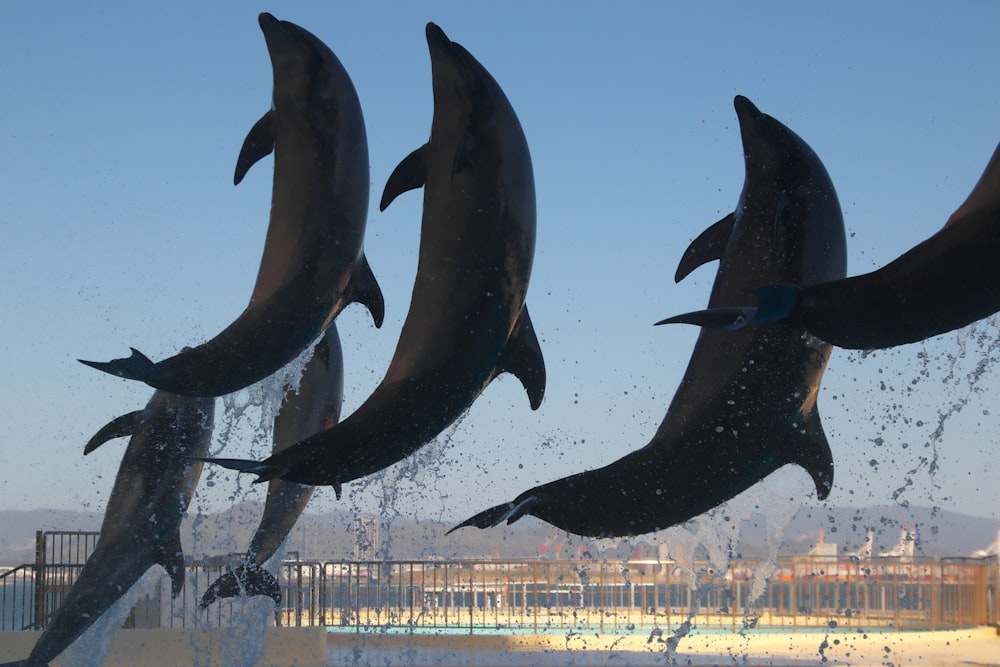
(121, 226)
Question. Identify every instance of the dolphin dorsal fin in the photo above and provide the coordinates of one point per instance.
(364, 289)
(522, 357)
(985, 194)
(807, 447)
(258, 144)
(119, 427)
(409, 174)
(708, 247)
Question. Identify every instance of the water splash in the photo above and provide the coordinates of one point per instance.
(247, 416)
(923, 410)
(92, 647)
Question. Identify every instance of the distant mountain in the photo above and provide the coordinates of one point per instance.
(17, 530)
(330, 536)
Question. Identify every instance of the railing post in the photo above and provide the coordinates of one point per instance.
(937, 582)
(39, 575)
(472, 595)
(793, 607)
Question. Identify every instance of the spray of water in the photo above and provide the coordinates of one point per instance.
(91, 649)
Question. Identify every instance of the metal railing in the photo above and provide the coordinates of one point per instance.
(622, 596)
(476, 596)
(31, 593)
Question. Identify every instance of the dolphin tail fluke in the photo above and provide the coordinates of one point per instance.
(494, 516)
(258, 145)
(249, 580)
(24, 663)
(364, 289)
(117, 428)
(265, 471)
(708, 247)
(409, 174)
(135, 367)
(522, 357)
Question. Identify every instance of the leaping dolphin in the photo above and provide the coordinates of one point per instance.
(746, 405)
(313, 407)
(141, 525)
(467, 321)
(313, 264)
(945, 283)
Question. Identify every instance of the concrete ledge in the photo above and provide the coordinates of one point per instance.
(841, 646)
(313, 647)
(283, 647)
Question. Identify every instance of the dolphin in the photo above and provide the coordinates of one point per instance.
(141, 526)
(314, 406)
(467, 321)
(313, 264)
(746, 404)
(944, 283)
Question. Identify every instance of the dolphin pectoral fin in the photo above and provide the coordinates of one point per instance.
(485, 519)
(522, 357)
(364, 289)
(494, 516)
(708, 247)
(409, 174)
(135, 367)
(171, 557)
(809, 449)
(518, 510)
(265, 471)
(776, 302)
(726, 319)
(249, 580)
(258, 144)
(116, 428)
(337, 489)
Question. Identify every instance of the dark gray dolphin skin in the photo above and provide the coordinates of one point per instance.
(314, 407)
(746, 405)
(141, 525)
(947, 282)
(467, 321)
(313, 264)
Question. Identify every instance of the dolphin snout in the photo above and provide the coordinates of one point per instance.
(267, 21)
(436, 37)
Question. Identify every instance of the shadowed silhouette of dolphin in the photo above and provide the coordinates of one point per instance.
(314, 406)
(947, 282)
(313, 264)
(467, 321)
(746, 405)
(141, 525)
